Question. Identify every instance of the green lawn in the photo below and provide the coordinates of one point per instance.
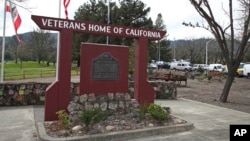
(29, 69)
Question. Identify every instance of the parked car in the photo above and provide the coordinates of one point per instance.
(216, 67)
(195, 67)
(153, 64)
(199, 66)
(163, 66)
(246, 70)
(205, 67)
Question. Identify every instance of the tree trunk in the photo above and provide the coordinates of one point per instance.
(226, 89)
(16, 58)
(78, 62)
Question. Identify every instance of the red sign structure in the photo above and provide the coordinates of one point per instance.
(104, 69)
(58, 93)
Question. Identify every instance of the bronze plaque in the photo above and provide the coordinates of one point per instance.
(105, 67)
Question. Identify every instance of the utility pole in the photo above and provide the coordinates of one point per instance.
(159, 44)
(207, 50)
(174, 48)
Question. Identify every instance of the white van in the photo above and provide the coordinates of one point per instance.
(216, 67)
(181, 65)
(246, 70)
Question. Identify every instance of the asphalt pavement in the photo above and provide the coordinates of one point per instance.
(211, 123)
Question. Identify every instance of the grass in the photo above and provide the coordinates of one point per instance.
(29, 69)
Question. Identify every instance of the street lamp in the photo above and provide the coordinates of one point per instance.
(174, 48)
(206, 49)
(159, 50)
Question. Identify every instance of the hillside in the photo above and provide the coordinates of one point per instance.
(25, 38)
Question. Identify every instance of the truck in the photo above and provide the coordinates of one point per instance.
(239, 71)
(246, 70)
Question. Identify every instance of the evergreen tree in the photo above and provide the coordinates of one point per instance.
(159, 50)
(127, 13)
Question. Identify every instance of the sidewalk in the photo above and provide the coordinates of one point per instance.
(211, 122)
(17, 124)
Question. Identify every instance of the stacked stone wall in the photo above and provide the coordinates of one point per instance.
(15, 94)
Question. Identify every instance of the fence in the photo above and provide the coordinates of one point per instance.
(34, 73)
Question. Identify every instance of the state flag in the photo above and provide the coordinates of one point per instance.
(16, 19)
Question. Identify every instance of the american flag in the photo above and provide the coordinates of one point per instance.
(66, 4)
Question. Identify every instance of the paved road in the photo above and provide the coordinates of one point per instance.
(211, 122)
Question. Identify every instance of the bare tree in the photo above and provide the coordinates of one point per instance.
(191, 49)
(42, 45)
(225, 36)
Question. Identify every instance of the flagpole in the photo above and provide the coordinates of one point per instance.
(58, 44)
(108, 21)
(3, 42)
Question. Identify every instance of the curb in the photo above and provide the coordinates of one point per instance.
(113, 136)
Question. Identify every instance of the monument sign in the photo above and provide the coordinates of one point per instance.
(58, 93)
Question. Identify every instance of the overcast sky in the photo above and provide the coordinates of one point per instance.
(174, 13)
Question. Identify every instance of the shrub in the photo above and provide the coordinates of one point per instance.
(142, 111)
(209, 76)
(92, 116)
(200, 70)
(157, 112)
(63, 119)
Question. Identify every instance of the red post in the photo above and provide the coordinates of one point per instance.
(58, 93)
(143, 91)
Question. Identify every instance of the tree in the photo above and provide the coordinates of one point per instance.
(12, 46)
(92, 12)
(42, 45)
(165, 50)
(192, 50)
(159, 23)
(159, 50)
(8, 56)
(247, 57)
(231, 52)
(24, 53)
(129, 13)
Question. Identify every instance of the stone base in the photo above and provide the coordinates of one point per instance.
(118, 103)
